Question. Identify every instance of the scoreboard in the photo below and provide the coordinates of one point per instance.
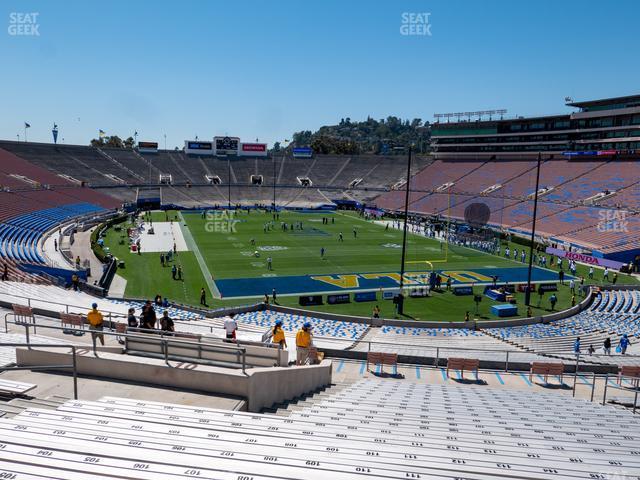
(226, 145)
(198, 148)
(148, 147)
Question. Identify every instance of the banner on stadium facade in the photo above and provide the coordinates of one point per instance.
(584, 258)
(302, 152)
(590, 153)
(253, 149)
(194, 147)
(148, 147)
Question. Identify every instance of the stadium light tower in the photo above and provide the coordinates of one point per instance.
(400, 304)
(527, 293)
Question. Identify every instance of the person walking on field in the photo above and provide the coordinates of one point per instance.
(303, 343)
(269, 263)
(95, 319)
(553, 300)
(203, 297)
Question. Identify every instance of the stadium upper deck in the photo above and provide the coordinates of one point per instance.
(599, 127)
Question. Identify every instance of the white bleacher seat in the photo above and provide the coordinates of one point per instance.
(15, 388)
(374, 428)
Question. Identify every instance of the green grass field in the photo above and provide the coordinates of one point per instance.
(226, 249)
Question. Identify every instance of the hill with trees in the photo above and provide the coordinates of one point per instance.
(370, 136)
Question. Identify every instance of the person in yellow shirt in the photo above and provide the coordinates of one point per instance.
(278, 334)
(94, 317)
(303, 342)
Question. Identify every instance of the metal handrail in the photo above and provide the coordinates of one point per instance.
(616, 387)
(73, 366)
(437, 347)
(67, 305)
(173, 338)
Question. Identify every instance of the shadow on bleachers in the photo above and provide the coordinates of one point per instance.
(469, 381)
(397, 375)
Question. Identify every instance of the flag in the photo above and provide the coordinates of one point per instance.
(26, 125)
(101, 133)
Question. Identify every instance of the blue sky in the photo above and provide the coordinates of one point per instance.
(264, 69)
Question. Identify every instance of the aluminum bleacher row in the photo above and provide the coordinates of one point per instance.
(34, 201)
(561, 213)
(108, 167)
(373, 428)
(611, 315)
(19, 236)
(441, 343)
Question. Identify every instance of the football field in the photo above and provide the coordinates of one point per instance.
(227, 254)
(250, 254)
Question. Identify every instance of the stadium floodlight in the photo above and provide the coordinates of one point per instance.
(501, 112)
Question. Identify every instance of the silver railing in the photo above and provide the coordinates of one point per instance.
(73, 366)
(162, 338)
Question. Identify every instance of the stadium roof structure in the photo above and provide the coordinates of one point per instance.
(613, 102)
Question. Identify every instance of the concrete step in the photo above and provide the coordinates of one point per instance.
(34, 403)
(10, 410)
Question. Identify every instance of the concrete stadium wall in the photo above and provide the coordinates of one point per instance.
(261, 387)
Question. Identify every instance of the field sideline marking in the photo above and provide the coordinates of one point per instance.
(193, 246)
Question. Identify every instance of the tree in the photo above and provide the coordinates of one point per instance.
(129, 143)
(369, 136)
(113, 141)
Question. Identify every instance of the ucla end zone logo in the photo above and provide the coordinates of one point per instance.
(306, 284)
